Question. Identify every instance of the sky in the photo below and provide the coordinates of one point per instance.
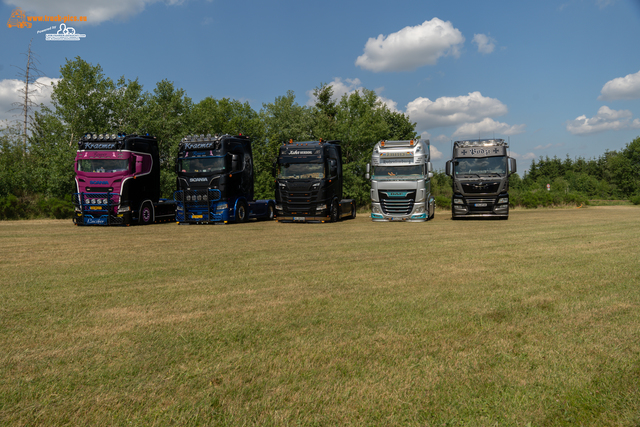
(554, 78)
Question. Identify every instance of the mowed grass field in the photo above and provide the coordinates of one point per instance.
(531, 321)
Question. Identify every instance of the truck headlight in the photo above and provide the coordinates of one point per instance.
(375, 209)
(502, 200)
(222, 206)
(278, 207)
(321, 207)
(419, 209)
(457, 202)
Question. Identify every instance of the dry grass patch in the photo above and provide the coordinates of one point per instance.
(531, 320)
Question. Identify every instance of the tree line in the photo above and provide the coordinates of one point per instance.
(36, 174)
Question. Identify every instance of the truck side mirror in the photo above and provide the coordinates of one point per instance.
(512, 165)
(367, 174)
(447, 168)
(429, 170)
(138, 164)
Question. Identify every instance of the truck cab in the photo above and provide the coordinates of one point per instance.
(309, 183)
(118, 181)
(215, 181)
(400, 173)
(480, 171)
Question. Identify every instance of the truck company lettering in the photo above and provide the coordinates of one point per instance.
(407, 154)
(99, 146)
(99, 182)
(196, 146)
(299, 152)
(197, 179)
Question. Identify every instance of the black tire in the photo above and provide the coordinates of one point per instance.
(242, 213)
(272, 212)
(353, 211)
(145, 216)
(335, 214)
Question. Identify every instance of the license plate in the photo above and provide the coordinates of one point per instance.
(95, 208)
(196, 216)
(298, 218)
(480, 205)
(397, 219)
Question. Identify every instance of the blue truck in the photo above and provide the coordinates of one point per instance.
(215, 181)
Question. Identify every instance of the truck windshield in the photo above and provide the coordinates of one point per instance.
(301, 171)
(481, 165)
(394, 172)
(103, 165)
(201, 164)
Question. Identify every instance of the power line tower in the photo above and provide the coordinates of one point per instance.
(29, 75)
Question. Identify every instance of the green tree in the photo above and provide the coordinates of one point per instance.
(167, 117)
(52, 152)
(14, 161)
(82, 99)
(283, 119)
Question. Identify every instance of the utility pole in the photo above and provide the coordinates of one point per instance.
(29, 75)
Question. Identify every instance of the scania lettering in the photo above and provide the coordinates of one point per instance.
(118, 181)
(480, 170)
(215, 181)
(309, 183)
(400, 173)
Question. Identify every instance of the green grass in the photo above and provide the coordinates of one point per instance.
(530, 321)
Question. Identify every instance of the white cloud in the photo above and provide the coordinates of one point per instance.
(604, 3)
(527, 156)
(435, 153)
(453, 111)
(411, 47)
(545, 147)
(485, 43)
(627, 87)
(487, 126)
(606, 119)
(9, 94)
(347, 87)
(95, 11)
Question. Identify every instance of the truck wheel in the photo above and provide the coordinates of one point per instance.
(335, 215)
(241, 212)
(146, 214)
(353, 211)
(272, 212)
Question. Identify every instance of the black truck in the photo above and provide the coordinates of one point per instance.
(480, 170)
(309, 183)
(215, 181)
(118, 181)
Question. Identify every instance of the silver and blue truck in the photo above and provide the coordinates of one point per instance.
(400, 174)
(480, 170)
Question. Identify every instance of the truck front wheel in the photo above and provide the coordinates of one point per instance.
(335, 214)
(241, 212)
(146, 214)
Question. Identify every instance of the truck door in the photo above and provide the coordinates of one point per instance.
(334, 183)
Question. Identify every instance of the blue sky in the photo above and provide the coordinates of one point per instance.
(553, 77)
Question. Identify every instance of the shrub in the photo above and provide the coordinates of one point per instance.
(443, 202)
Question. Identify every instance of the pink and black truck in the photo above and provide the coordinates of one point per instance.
(118, 181)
